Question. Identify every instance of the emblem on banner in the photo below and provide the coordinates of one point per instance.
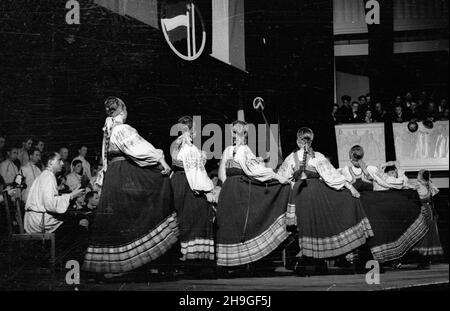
(179, 22)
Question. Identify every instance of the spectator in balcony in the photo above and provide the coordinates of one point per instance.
(431, 112)
(379, 114)
(335, 114)
(355, 116)
(64, 153)
(362, 101)
(408, 101)
(399, 116)
(445, 114)
(23, 156)
(31, 171)
(82, 152)
(413, 112)
(2, 148)
(398, 101)
(345, 109)
(369, 100)
(368, 116)
(8, 169)
(441, 109)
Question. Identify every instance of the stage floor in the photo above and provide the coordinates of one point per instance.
(405, 278)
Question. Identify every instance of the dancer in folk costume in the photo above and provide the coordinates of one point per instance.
(430, 246)
(331, 221)
(193, 196)
(393, 209)
(136, 222)
(252, 210)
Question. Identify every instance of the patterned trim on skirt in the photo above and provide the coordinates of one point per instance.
(254, 249)
(397, 249)
(430, 245)
(129, 256)
(197, 249)
(336, 245)
(291, 217)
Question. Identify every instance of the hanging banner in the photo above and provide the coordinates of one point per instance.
(369, 136)
(421, 147)
(228, 30)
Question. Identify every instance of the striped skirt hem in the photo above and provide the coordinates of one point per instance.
(397, 249)
(129, 256)
(429, 251)
(291, 217)
(336, 245)
(197, 249)
(254, 249)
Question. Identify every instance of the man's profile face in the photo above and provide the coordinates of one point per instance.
(27, 145)
(40, 145)
(2, 142)
(64, 153)
(36, 156)
(83, 151)
(56, 164)
(13, 154)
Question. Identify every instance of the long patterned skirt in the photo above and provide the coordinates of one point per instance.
(136, 222)
(397, 222)
(430, 245)
(330, 222)
(251, 219)
(195, 218)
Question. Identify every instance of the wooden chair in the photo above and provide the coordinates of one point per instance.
(22, 235)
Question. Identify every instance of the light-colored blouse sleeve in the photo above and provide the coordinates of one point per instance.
(134, 146)
(287, 168)
(385, 180)
(251, 166)
(194, 168)
(345, 171)
(329, 174)
(72, 181)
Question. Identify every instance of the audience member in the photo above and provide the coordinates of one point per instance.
(82, 152)
(30, 171)
(2, 148)
(8, 169)
(355, 116)
(44, 204)
(23, 156)
(64, 153)
(73, 180)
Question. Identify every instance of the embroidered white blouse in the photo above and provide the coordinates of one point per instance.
(381, 181)
(193, 163)
(126, 139)
(247, 161)
(327, 172)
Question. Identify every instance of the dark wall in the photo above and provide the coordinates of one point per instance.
(55, 76)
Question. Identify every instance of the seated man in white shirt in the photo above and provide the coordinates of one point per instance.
(44, 208)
